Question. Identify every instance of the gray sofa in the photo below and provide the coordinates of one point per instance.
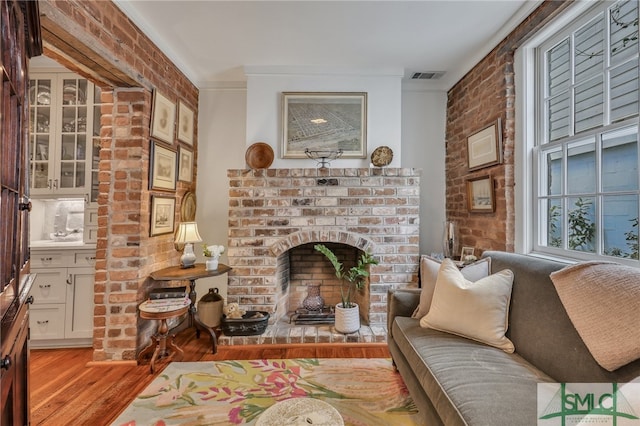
(456, 381)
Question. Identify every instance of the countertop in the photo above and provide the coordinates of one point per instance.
(60, 245)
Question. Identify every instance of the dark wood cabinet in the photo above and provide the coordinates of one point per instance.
(19, 40)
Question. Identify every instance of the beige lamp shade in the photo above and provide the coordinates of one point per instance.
(188, 233)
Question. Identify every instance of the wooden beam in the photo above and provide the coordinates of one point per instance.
(70, 43)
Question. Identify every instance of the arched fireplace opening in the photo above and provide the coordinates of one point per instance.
(308, 268)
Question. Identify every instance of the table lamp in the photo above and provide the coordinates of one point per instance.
(187, 235)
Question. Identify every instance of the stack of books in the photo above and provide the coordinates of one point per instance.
(167, 299)
(168, 293)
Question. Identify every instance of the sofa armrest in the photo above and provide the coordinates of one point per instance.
(401, 303)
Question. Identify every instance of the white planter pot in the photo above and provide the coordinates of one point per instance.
(347, 319)
(211, 265)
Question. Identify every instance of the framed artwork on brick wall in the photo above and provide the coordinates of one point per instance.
(163, 210)
(163, 118)
(185, 123)
(162, 168)
(480, 195)
(185, 166)
(484, 148)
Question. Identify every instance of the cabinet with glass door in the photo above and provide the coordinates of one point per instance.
(61, 114)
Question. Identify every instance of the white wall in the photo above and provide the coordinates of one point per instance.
(221, 146)
(264, 111)
(411, 122)
(423, 146)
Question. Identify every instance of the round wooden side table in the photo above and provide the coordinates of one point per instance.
(162, 314)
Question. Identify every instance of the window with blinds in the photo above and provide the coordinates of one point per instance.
(587, 190)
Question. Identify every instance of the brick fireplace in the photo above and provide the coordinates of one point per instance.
(274, 211)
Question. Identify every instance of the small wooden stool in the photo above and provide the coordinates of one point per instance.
(162, 314)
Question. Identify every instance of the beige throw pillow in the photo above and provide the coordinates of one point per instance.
(602, 300)
(475, 310)
(429, 268)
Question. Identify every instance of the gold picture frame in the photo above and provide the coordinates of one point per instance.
(185, 123)
(484, 148)
(162, 168)
(162, 215)
(163, 118)
(480, 195)
(188, 207)
(324, 121)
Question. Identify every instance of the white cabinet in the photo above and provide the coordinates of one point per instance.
(64, 142)
(91, 224)
(62, 310)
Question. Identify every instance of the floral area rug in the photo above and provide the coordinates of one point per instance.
(364, 391)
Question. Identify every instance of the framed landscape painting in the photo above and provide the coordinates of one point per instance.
(162, 215)
(480, 196)
(324, 121)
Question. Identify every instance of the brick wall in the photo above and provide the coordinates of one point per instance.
(484, 95)
(96, 40)
(272, 211)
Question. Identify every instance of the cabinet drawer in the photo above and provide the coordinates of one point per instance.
(87, 258)
(46, 321)
(50, 286)
(48, 259)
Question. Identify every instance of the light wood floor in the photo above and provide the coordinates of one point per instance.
(64, 391)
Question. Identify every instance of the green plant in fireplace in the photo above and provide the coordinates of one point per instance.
(355, 277)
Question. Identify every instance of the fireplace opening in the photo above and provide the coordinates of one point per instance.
(311, 272)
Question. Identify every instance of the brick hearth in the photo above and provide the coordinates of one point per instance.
(272, 211)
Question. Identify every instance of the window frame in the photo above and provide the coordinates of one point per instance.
(530, 127)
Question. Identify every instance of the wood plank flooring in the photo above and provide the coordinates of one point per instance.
(64, 391)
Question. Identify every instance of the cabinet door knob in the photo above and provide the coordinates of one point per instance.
(69, 280)
(43, 322)
(29, 300)
(6, 362)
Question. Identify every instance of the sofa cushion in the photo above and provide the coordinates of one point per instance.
(429, 268)
(475, 310)
(469, 383)
(601, 299)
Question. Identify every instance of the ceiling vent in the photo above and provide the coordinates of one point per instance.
(427, 75)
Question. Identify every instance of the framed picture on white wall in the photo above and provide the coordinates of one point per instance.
(324, 121)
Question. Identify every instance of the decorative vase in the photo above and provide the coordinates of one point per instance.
(347, 319)
(212, 264)
(210, 308)
(449, 239)
(313, 302)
